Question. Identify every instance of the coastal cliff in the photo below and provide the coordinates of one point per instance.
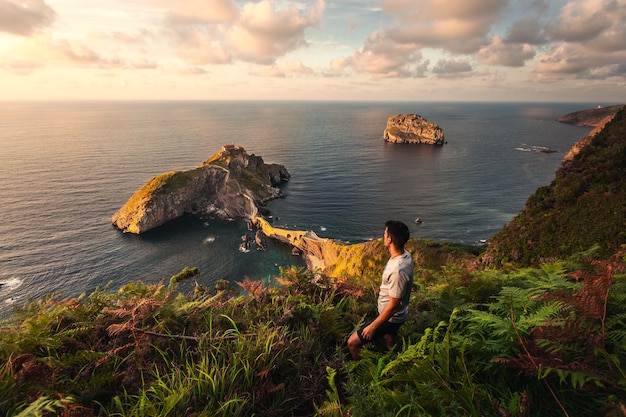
(230, 184)
(596, 118)
(413, 128)
(585, 205)
(592, 117)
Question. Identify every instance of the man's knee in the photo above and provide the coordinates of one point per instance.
(354, 341)
(354, 346)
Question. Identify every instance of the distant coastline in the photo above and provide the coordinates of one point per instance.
(591, 117)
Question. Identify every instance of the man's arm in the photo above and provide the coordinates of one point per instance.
(388, 311)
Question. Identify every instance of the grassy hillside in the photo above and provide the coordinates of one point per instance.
(538, 342)
(584, 205)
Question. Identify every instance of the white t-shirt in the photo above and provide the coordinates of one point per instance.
(397, 282)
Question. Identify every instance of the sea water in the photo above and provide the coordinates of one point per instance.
(66, 167)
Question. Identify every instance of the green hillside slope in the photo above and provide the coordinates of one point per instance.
(583, 206)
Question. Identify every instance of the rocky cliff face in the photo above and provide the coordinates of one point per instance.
(231, 184)
(413, 128)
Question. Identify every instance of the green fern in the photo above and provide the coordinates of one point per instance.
(332, 406)
(44, 405)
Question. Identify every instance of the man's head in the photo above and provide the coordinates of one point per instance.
(398, 232)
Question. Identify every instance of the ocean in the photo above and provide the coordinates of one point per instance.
(66, 167)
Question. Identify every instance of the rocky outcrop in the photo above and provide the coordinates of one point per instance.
(413, 128)
(231, 184)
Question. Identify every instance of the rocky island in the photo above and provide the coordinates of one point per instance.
(230, 184)
(413, 128)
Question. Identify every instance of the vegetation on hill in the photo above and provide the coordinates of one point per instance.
(584, 205)
(545, 341)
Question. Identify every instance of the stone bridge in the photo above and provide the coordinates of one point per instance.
(317, 252)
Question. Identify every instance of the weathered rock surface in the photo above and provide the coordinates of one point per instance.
(413, 128)
(231, 184)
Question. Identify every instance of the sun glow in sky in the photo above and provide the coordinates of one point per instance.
(417, 50)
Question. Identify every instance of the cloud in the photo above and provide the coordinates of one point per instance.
(581, 21)
(187, 70)
(509, 55)
(283, 70)
(457, 27)
(199, 48)
(528, 30)
(597, 25)
(262, 33)
(382, 57)
(19, 65)
(143, 64)
(452, 68)
(589, 41)
(63, 53)
(193, 12)
(448, 25)
(117, 38)
(25, 17)
(201, 32)
(257, 33)
(420, 70)
(569, 60)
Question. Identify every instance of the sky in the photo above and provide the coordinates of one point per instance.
(375, 50)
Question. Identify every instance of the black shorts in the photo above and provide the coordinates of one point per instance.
(382, 330)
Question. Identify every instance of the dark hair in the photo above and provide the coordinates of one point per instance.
(398, 231)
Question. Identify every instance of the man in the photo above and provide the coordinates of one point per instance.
(395, 290)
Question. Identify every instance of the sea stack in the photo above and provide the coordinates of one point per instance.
(231, 184)
(413, 128)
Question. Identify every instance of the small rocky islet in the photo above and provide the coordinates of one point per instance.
(231, 184)
(413, 129)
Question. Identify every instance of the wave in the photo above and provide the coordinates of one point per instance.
(10, 284)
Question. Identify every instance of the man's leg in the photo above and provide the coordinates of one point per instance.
(390, 339)
(354, 346)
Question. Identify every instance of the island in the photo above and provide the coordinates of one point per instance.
(231, 184)
(413, 128)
